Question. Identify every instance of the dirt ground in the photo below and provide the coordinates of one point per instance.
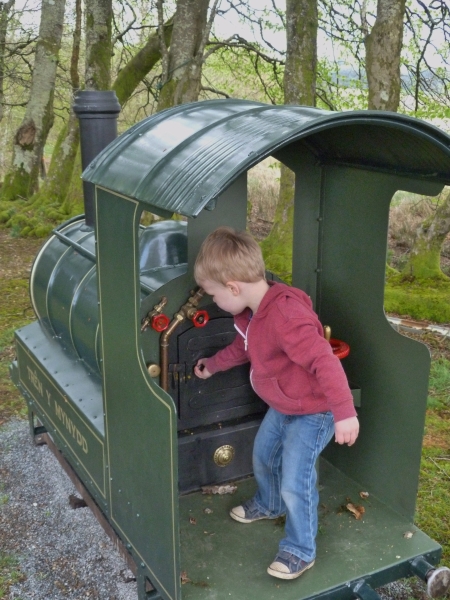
(17, 255)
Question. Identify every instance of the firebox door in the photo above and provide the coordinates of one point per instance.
(224, 396)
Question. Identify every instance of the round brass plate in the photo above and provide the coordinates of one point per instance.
(223, 455)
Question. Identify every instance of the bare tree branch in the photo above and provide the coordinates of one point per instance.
(120, 35)
(215, 91)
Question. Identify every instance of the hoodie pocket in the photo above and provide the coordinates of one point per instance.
(268, 389)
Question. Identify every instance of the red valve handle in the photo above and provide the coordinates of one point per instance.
(160, 322)
(340, 348)
(200, 318)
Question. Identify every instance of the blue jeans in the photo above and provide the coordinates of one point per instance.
(284, 457)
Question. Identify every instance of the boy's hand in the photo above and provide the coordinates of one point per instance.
(346, 431)
(200, 369)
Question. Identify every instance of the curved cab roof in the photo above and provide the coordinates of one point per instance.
(178, 160)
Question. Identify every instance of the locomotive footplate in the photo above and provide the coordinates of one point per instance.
(376, 549)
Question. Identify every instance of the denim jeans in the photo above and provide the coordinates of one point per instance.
(284, 458)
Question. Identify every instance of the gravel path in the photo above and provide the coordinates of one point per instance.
(63, 553)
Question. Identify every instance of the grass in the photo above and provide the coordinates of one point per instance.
(15, 310)
(432, 514)
(11, 403)
(10, 573)
(419, 300)
(439, 398)
(432, 501)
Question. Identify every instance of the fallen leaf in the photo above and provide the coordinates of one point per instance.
(184, 578)
(219, 489)
(208, 511)
(76, 502)
(364, 495)
(408, 535)
(127, 576)
(357, 511)
(192, 521)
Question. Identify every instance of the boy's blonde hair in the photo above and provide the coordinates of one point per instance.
(229, 255)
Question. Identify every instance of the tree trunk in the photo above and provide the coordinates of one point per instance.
(301, 52)
(58, 187)
(97, 76)
(4, 14)
(424, 258)
(22, 179)
(98, 45)
(142, 63)
(182, 65)
(383, 51)
(55, 186)
(299, 88)
(383, 48)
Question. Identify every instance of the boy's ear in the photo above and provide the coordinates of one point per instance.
(234, 288)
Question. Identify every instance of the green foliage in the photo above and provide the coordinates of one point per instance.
(239, 73)
(338, 88)
(15, 185)
(277, 247)
(32, 220)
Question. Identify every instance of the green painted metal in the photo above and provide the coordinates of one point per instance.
(391, 369)
(181, 159)
(67, 401)
(225, 559)
(140, 419)
(63, 289)
(340, 241)
(63, 282)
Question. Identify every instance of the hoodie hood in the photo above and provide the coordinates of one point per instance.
(279, 293)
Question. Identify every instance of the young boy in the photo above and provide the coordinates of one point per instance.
(294, 371)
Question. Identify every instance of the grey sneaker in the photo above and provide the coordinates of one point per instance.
(288, 566)
(247, 512)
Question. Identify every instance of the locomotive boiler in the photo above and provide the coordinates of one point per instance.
(107, 368)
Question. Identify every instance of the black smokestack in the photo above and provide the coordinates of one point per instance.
(97, 113)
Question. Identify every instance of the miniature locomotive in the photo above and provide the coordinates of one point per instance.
(107, 369)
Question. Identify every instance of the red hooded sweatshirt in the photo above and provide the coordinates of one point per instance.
(293, 368)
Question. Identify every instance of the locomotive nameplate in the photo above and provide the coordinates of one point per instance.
(82, 445)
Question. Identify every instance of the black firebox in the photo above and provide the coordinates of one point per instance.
(217, 417)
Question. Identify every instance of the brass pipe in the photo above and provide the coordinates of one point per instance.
(187, 311)
(164, 350)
